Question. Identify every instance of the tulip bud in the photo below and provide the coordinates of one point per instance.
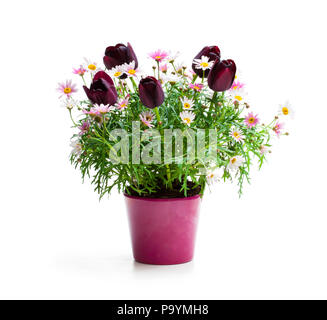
(212, 52)
(102, 89)
(118, 55)
(222, 75)
(151, 93)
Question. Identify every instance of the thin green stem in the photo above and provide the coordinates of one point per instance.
(194, 78)
(71, 117)
(83, 80)
(162, 137)
(158, 70)
(134, 84)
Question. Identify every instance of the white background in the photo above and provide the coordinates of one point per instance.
(58, 241)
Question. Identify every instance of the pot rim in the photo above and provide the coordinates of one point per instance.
(161, 199)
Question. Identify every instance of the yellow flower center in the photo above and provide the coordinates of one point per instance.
(67, 90)
(204, 64)
(117, 74)
(187, 120)
(148, 118)
(196, 88)
(131, 71)
(212, 175)
(233, 160)
(92, 67)
(236, 135)
(239, 98)
(158, 57)
(285, 111)
(251, 120)
(187, 105)
(123, 105)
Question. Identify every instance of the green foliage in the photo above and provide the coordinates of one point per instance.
(212, 111)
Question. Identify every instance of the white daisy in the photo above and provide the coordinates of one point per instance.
(235, 162)
(187, 103)
(130, 70)
(238, 95)
(286, 110)
(117, 71)
(172, 78)
(212, 177)
(77, 147)
(91, 66)
(203, 63)
(179, 67)
(187, 117)
(236, 135)
(69, 103)
(172, 56)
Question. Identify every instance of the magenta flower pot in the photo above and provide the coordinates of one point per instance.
(163, 230)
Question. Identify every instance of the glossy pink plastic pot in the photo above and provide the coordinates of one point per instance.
(163, 230)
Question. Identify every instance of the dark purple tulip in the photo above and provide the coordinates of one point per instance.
(102, 89)
(212, 52)
(151, 93)
(118, 55)
(222, 75)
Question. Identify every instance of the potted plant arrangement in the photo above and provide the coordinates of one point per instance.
(161, 137)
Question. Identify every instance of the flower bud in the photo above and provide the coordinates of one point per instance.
(222, 75)
(118, 55)
(102, 89)
(151, 93)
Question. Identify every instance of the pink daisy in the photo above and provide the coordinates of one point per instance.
(93, 112)
(80, 71)
(237, 85)
(147, 118)
(251, 120)
(67, 88)
(158, 55)
(122, 103)
(196, 86)
(278, 128)
(103, 109)
(84, 128)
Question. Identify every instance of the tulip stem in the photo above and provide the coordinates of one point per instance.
(213, 100)
(170, 186)
(134, 84)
